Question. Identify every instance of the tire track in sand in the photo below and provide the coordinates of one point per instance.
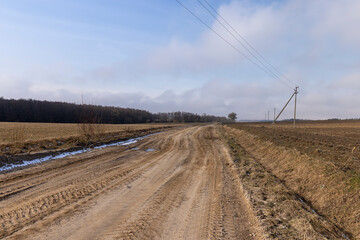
(183, 190)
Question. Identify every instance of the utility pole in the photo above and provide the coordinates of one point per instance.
(296, 93)
(274, 115)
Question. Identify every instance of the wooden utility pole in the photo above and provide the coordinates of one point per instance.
(296, 93)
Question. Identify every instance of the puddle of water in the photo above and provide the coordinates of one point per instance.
(66, 154)
(150, 150)
(43, 159)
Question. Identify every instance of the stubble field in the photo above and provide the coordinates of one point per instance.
(13, 132)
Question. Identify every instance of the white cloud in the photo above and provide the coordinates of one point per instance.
(338, 19)
(348, 82)
(316, 43)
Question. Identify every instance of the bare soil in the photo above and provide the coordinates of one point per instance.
(197, 182)
(185, 189)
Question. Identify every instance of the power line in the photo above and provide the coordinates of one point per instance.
(230, 44)
(260, 55)
(242, 44)
(244, 39)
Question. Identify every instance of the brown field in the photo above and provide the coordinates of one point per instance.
(26, 141)
(319, 161)
(196, 182)
(11, 132)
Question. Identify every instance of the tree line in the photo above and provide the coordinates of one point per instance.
(186, 117)
(29, 110)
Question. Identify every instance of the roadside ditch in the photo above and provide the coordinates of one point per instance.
(283, 213)
(67, 147)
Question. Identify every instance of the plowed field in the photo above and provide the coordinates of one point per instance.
(318, 160)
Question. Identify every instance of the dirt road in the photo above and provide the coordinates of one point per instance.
(173, 185)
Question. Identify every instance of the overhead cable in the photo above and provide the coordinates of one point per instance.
(242, 44)
(265, 69)
(244, 39)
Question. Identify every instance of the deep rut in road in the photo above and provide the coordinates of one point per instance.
(182, 190)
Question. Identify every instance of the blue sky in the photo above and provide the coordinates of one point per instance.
(154, 55)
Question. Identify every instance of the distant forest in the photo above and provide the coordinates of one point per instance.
(28, 110)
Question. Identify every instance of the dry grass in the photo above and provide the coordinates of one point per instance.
(23, 132)
(31, 138)
(318, 161)
(281, 213)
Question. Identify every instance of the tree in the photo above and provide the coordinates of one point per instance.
(232, 116)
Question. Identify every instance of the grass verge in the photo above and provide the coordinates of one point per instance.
(323, 186)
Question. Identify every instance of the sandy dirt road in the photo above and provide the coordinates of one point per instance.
(184, 189)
